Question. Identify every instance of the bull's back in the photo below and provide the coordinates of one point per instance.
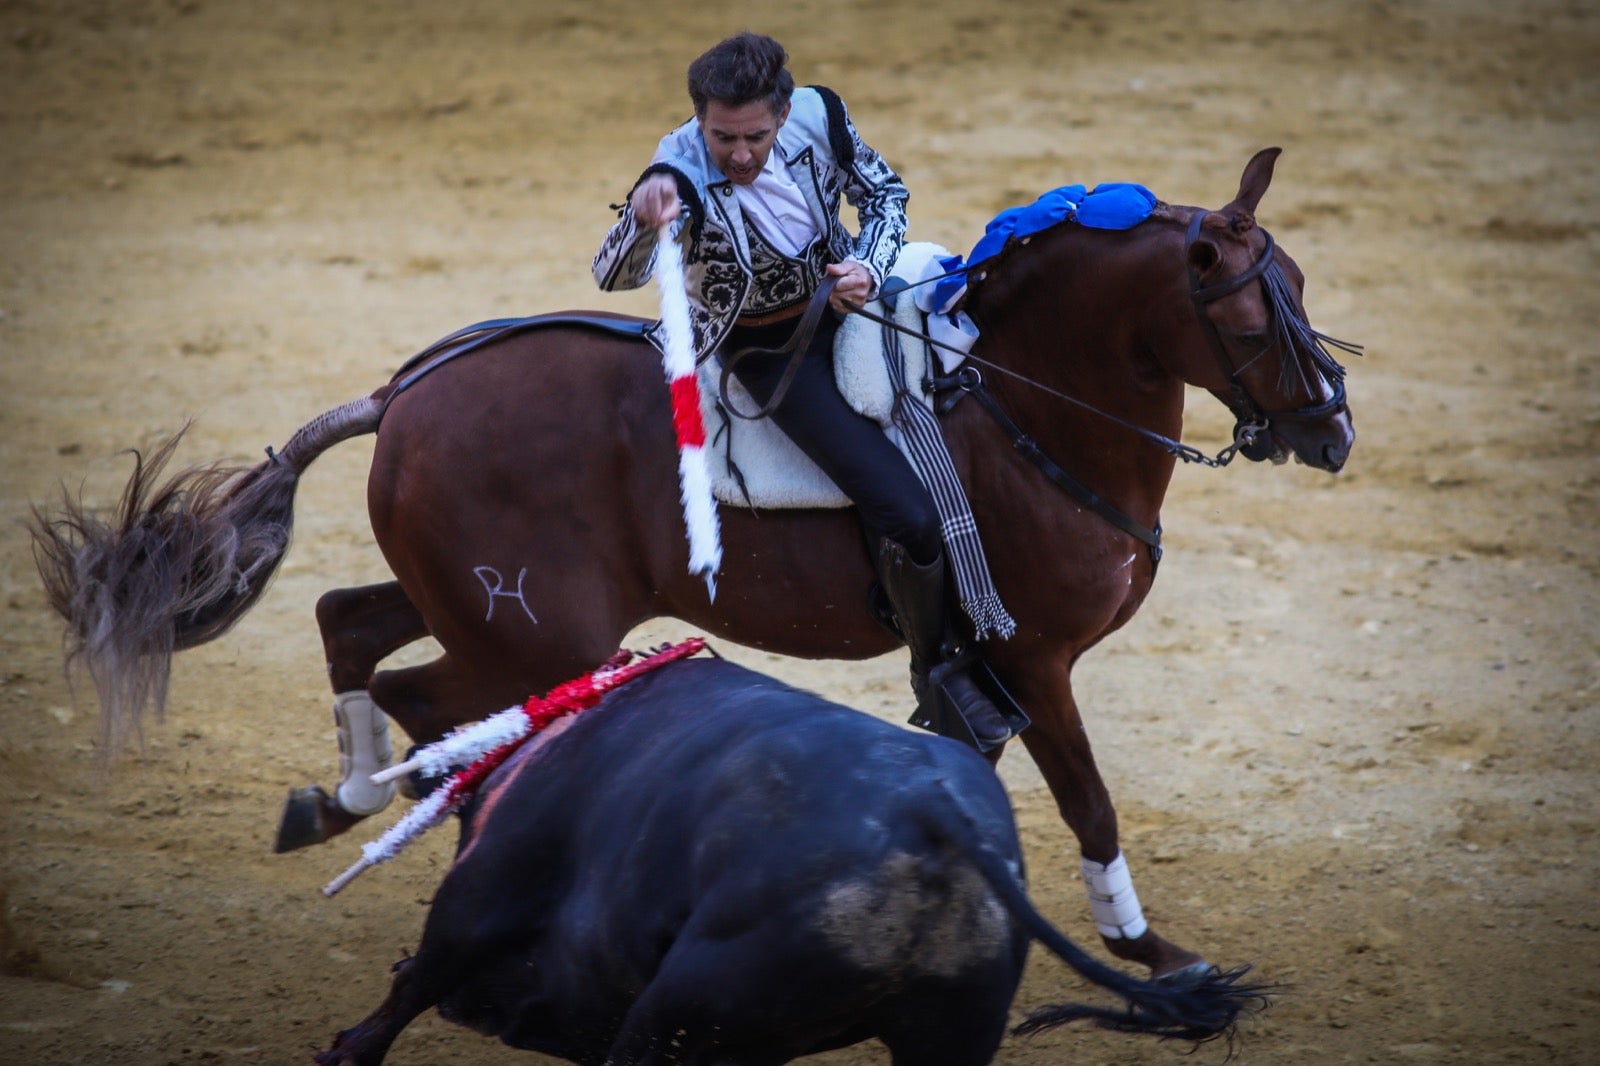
(709, 797)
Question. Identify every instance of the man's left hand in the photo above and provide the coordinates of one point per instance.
(854, 288)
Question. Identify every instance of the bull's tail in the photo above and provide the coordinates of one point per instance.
(173, 566)
(1199, 1011)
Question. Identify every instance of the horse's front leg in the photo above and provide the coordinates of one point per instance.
(1059, 745)
(359, 626)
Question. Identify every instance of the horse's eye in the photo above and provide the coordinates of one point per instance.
(1255, 339)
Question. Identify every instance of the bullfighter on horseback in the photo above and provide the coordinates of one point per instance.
(754, 181)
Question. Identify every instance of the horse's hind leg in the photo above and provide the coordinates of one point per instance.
(1060, 747)
(428, 701)
(360, 626)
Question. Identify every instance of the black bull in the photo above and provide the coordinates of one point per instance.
(713, 867)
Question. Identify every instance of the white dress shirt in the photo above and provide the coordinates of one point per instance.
(774, 203)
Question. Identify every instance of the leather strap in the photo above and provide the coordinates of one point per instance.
(1029, 448)
(795, 348)
(482, 334)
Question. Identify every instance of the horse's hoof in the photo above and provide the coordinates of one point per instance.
(1189, 976)
(301, 825)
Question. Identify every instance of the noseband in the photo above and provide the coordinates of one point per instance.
(1251, 419)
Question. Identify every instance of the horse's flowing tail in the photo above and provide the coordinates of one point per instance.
(173, 566)
(1198, 1011)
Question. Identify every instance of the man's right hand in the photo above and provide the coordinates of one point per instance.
(655, 201)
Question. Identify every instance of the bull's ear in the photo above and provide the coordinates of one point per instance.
(1257, 176)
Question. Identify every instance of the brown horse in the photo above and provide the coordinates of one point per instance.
(526, 499)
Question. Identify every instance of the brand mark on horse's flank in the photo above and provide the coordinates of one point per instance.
(496, 589)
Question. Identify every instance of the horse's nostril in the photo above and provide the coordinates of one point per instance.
(1334, 456)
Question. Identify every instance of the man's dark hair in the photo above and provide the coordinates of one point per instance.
(744, 68)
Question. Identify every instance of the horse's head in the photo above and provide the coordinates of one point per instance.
(1275, 373)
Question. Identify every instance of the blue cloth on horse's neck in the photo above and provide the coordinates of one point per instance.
(1111, 205)
(1114, 205)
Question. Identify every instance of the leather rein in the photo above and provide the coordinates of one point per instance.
(967, 380)
(1251, 419)
(795, 348)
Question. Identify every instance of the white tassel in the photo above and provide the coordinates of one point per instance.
(700, 515)
(426, 814)
(487, 744)
(462, 746)
(694, 479)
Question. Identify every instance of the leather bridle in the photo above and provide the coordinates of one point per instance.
(1251, 420)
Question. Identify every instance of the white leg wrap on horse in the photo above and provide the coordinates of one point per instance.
(363, 751)
(1112, 900)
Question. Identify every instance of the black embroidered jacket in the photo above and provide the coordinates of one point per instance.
(829, 160)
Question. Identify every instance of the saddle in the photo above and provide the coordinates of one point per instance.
(880, 370)
(754, 464)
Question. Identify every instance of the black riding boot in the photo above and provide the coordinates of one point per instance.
(943, 685)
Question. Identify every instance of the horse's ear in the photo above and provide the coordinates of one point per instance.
(1204, 255)
(1257, 176)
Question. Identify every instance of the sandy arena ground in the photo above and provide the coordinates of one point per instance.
(1353, 733)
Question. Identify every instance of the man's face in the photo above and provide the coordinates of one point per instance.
(740, 137)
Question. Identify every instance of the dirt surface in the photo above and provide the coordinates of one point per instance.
(1353, 733)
